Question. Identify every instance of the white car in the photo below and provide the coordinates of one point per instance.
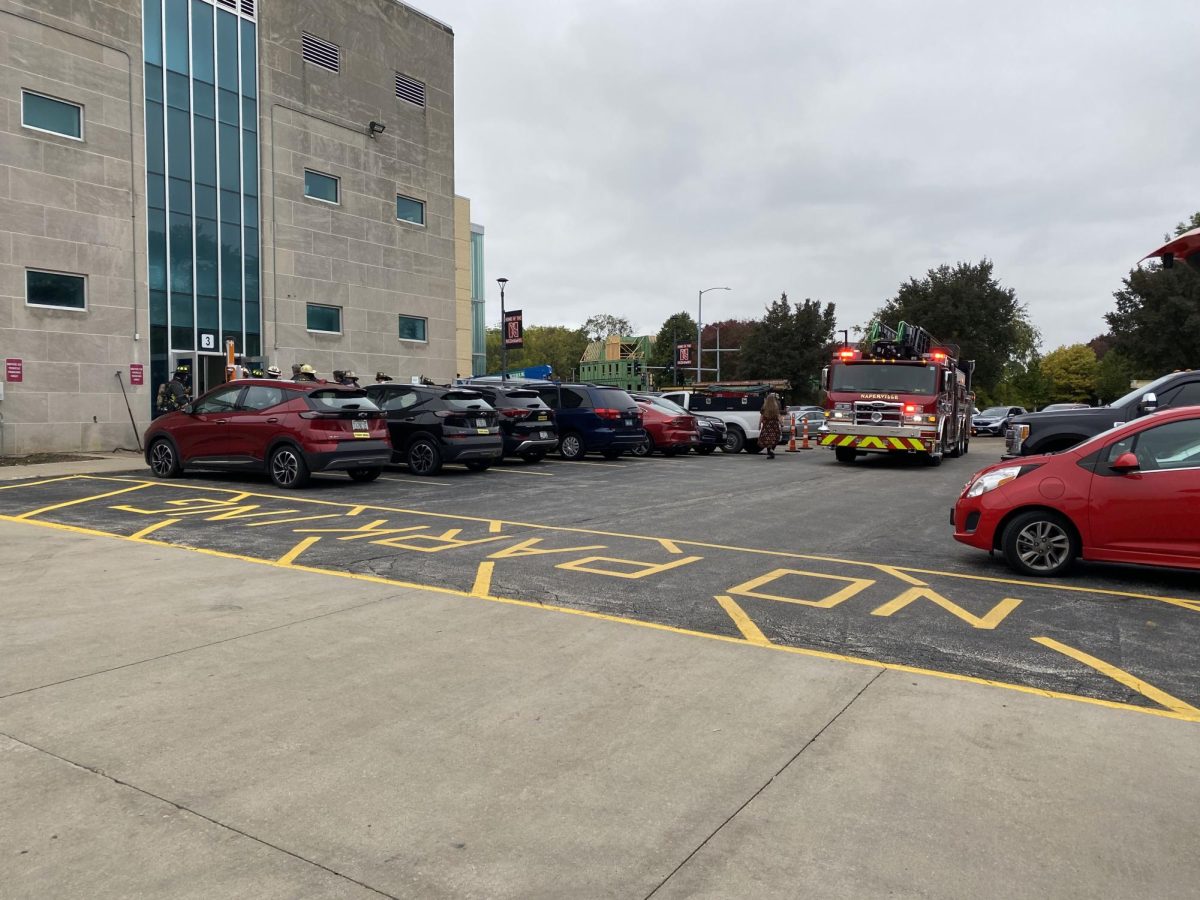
(737, 409)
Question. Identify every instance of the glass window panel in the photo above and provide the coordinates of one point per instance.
(228, 103)
(177, 35)
(49, 114)
(227, 51)
(155, 158)
(250, 163)
(181, 253)
(231, 262)
(253, 344)
(203, 99)
(206, 201)
(208, 312)
(156, 191)
(230, 211)
(182, 337)
(320, 186)
(152, 32)
(158, 340)
(179, 144)
(412, 328)
(55, 289)
(324, 318)
(249, 115)
(156, 234)
(203, 56)
(410, 210)
(231, 175)
(205, 132)
(249, 76)
(154, 88)
(250, 212)
(253, 323)
(181, 195)
(158, 308)
(182, 311)
(250, 256)
(178, 91)
(207, 249)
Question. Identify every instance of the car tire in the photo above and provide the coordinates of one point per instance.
(645, 448)
(705, 451)
(533, 457)
(423, 457)
(933, 460)
(164, 461)
(845, 454)
(362, 476)
(571, 446)
(735, 440)
(287, 467)
(1040, 543)
(612, 454)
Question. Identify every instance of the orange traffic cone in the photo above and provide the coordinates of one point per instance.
(791, 448)
(804, 444)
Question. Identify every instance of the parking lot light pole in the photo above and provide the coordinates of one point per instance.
(503, 334)
(700, 327)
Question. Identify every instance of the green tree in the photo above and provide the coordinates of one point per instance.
(1071, 372)
(1113, 376)
(679, 327)
(733, 334)
(554, 345)
(966, 305)
(603, 325)
(790, 343)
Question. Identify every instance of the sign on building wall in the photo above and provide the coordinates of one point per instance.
(514, 330)
(137, 374)
(14, 370)
(683, 353)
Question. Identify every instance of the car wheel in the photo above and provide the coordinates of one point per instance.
(571, 447)
(424, 458)
(533, 457)
(479, 465)
(932, 459)
(287, 467)
(365, 475)
(845, 454)
(645, 448)
(966, 446)
(735, 440)
(612, 454)
(1040, 542)
(705, 451)
(163, 461)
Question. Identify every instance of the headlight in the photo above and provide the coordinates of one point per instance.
(992, 480)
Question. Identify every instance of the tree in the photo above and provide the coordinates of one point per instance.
(1071, 372)
(733, 334)
(604, 325)
(966, 305)
(553, 345)
(679, 327)
(791, 343)
(1113, 376)
(1156, 325)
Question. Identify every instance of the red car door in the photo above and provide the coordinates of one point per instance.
(257, 420)
(204, 434)
(1149, 514)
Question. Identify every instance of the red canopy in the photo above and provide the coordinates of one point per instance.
(1182, 247)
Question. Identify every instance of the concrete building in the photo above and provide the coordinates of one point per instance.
(176, 174)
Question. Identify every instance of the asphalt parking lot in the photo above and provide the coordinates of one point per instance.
(798, 553)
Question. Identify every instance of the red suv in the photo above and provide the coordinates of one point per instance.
(1130, 495)
(288, 429)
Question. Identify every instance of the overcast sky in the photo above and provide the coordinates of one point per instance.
(624, 155)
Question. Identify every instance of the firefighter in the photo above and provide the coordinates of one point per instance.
(306, 373)
(381, 378)
(174, 394)
(348, 378)
(273, 372)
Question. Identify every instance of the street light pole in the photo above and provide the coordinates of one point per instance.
(700, 326)
(503, 333)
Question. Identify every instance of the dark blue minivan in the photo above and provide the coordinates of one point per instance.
(592, 418)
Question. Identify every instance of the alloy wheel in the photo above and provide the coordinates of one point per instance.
(285, 467)
(162, 459)
(1043, 546)
(420, 458)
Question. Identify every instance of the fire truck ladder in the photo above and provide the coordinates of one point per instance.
(914, 339)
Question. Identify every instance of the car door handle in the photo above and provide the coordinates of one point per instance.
(222, 421)
(273, 420)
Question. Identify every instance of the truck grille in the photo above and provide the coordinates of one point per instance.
(876, 412)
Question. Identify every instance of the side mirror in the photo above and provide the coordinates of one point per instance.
(1148, 404)
(1126, 462)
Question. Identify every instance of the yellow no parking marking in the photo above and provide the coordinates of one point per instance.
(1172, 707)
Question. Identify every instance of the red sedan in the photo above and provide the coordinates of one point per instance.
(669, 427)
(1129, 495)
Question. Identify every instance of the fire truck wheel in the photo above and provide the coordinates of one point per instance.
(845, 454)
(933, 459)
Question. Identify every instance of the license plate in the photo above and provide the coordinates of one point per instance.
(361, 428)
(481, 430)
(629, 421)
(480, 423)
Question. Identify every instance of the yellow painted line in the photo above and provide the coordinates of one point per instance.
(902, 576)
(150, 529)
(39, 483)
(46, 509)
(588, 614)
(483, 580)
(1193, 605)
(521, 472)
(670, 546)
(290, 557)
(749, 630)
(988, 620)
(1147, 690)
(356, 511)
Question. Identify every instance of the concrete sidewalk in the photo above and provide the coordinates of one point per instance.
(181, 725)
(95, 464)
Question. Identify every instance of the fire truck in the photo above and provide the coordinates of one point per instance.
(899, 391)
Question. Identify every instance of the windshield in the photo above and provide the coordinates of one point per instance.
(1136, 393)
(890, 378)
(994, 411)
(338, 400)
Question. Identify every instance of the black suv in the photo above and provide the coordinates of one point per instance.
(434, 425)
(592, 418)
(526, 422)
(1049, 432)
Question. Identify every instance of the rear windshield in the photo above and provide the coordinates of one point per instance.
(673, 408)
(465, 400)
(328, 399)
(613, 399)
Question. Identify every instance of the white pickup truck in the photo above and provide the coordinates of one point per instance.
(737, 409)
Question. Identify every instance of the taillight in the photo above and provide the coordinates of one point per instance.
(314, 414)
(606, 413)
(513, 413)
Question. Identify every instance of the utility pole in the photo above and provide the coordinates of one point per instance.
(503, 333)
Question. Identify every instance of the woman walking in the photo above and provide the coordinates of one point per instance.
(769, 427)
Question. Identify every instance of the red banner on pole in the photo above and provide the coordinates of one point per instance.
(514, 330)
(683, 353)
(137, 374)
(14, 370)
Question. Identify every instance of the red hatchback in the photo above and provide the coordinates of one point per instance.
(287, 429)
(1129, 495)
(669, 427)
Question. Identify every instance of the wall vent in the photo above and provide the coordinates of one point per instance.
(410, 89)
(232, 4)
(321, 53)
(248, 8)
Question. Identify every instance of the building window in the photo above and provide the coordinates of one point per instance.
(320, 53)
(327, 319)
(410, 210)
(55, 289)
(319, 186)
(412, 328)
(43, 113)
